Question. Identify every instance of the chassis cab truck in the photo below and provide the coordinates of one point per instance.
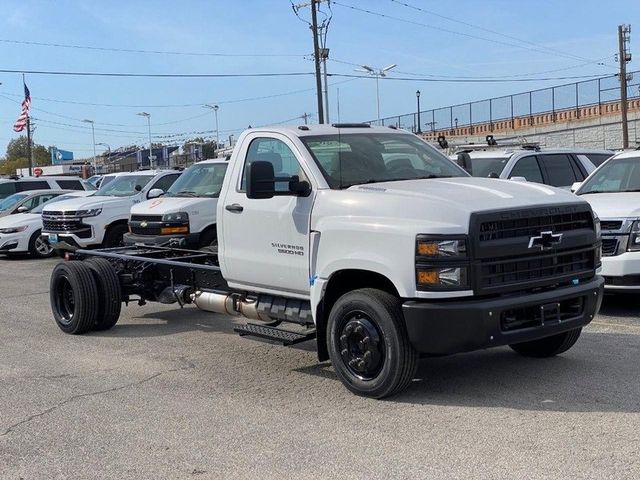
(374, 244)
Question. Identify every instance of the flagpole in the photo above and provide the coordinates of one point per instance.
(29, 145)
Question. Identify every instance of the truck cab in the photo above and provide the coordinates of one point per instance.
(185, 214)
(102, 218)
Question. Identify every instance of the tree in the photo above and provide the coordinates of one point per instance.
(17, 157)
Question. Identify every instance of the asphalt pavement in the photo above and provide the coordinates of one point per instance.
(173, 393)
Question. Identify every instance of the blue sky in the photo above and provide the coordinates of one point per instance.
(560, 34)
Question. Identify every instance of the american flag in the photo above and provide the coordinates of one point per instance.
(21, 122)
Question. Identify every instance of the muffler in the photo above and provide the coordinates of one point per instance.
(229, 304)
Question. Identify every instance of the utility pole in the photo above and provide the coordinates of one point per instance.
(316, 57)
(305, 116)
(29, 145)
(624, 56)
(93, 133)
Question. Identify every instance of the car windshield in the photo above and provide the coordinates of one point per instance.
(355, 158)
(621, 175)
(124, 185)
(200, 180)
(12, 200)
(39, 208)
(483, 167)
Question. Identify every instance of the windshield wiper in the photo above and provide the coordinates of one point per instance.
(185, 193)
(399, 179)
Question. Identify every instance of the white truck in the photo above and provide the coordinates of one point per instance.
(185, 215)
(374, 244)
(102, 218)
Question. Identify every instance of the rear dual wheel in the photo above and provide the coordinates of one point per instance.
(85, 295)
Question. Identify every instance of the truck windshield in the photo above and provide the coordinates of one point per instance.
(203, 180)
(355, 158)
(11, 200)
(621, 175)
(124, 186)
(483, 167)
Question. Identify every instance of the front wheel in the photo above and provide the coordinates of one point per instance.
(39, 246)
(548, 346)
(74, 297)
(114, 236)
(368, 343)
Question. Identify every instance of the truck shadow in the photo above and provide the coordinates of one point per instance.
(621, 305)
(599, 375)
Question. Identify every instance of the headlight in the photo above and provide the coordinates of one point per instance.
(92, 212)
(634, 238)
(442, 263)
(13, 229)
(596, 224)
(182, 217)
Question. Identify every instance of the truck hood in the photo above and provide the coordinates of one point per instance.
(442, 205)
(86, 203)
(164, 205)
(614, 205)
(19, 219)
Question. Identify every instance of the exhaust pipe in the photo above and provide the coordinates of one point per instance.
(229, 304)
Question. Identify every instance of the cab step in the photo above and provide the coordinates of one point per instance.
(280, 335)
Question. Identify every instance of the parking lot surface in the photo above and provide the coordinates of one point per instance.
(171, 393)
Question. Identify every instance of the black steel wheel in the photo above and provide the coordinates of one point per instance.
(74, 297)
(109, 293)
(548, 346)
(368, 343)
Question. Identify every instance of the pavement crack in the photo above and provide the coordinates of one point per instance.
(30, 418)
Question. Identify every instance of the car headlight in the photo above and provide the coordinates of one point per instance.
(178, 217)
(442, 263)
(596, 224)
(634, 238)
(13, 229)
(91, 212)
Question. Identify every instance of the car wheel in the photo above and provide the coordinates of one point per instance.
(114, 236)
(39, 246)
(74, 297)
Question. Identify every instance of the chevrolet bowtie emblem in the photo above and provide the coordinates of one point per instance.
(144, 224)
(545, 240)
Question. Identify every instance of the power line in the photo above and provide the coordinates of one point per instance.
(155, 52)
(159, 75)
(495, 32)
(441, 29)
(473, 80)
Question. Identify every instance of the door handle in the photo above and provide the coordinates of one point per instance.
(235, 207)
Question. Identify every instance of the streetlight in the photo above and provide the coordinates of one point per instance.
(93, 133)
(148, 115)
(215, 110)
(418, 98)
(456, 121)
(381, 72)
(108, 150)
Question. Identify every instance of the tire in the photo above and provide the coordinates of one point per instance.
(392, 360)
(209, 241)
(549, 346)
(113, 237)
(39, 247)
(109, 293)
(74, 297)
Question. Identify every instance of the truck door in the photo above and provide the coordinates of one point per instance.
(266, 241)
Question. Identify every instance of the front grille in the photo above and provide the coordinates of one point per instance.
(609, 246)
(611, 224)
(530, 226)
(146, 218)
(554, 267)
(61, 225)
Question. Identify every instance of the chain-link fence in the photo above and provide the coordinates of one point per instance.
(509, 108)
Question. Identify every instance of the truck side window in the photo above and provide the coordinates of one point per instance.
(528, 168)
(165, 182)
(285, 163)
(559, 170)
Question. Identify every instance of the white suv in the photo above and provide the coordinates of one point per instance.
(102, 218)
(9, 186)
(613, 191)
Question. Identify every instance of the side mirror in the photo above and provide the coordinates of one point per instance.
(493, 175)
(575, 186)
(519, 179)
(138, 188)
(155, 193)
(22, 209)
(260, 180)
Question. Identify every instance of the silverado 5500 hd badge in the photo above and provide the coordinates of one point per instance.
(288, 249)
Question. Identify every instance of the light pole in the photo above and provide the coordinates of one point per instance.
(215, 111)
(108, 150)
(380, 72)
(93, 134)
(418, 99)
(148, 115)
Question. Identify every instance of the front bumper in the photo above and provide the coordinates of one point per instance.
(14, 242)
(187, 240)
(447, 327)
(621, 272)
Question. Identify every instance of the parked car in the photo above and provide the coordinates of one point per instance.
(185, 213)
(613, 191)
(9, 186)
(102, 219)
(555, 167)
(100, 180)
(21, 232)
(26, 201)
